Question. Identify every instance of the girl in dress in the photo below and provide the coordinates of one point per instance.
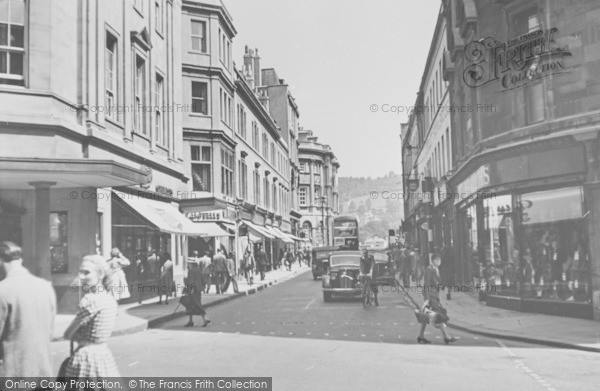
(93, 325)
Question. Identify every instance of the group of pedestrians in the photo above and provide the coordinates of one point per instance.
(27, 319)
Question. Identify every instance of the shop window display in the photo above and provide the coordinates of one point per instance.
(555, 263)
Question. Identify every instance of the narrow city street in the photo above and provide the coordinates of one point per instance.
(287, 332)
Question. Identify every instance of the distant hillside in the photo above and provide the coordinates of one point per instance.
(351, 187)
(363, 197)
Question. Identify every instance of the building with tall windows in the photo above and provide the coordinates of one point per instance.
(523, 85)
(427, 152)
(318, 188)
(89, 151)
(235, 155)
(284, 111)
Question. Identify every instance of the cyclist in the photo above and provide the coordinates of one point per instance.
(367, 268)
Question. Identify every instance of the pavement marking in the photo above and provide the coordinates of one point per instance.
(255, 332)
(345, 335)
(399, 337)
(308, 305)
(523, 367)
(133, 363)
(381, 336)
(253, 323)
(395, 324)
(290, 333)
(308, 333)
(326, 334)
(363, 335)
(272, 333)
(238, 322)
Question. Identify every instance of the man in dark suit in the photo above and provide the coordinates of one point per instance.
(27, 310)
(261, 262)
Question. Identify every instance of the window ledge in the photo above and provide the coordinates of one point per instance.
(199, 115)
(114, 122)
(141, 135)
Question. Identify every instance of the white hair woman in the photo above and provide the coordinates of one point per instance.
(115, 278)
(93, 324)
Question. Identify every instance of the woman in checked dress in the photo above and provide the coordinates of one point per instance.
(93, 325)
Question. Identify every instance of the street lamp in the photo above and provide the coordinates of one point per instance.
(238, 208)
(324, 224)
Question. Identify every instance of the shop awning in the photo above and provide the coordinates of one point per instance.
(164, 216)
(259, 230)
(295, 237)
(288, 236)
(279, 234)
(212, 229)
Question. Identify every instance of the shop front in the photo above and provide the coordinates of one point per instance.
(523, 231)
(149, 229)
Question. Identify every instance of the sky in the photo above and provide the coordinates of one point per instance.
(352, 66)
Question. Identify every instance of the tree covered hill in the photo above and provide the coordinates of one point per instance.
(364, 198)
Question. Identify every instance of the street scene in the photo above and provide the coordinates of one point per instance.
(299, 195)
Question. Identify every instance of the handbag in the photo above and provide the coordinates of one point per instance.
(62, 370)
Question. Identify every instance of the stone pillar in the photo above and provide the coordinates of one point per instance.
(41, 228)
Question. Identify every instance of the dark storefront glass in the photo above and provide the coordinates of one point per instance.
(555, 261)
(59, 255)
(536, 244)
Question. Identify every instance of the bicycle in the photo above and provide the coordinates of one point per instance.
(368, 296)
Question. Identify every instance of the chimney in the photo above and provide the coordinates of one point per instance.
(256, 67)
(247, 72)
(248, 57)
(264, 99)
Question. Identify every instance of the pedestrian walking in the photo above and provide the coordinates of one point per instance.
(192, 298)
(432, 311)
(205, 264)
(115, 276)
(219, 269)
(281, 259)
(289, 259)
(92, 325)
(27, 311)
(416, 265)
(231, 274)
(248, 265)
(261, 262)
(447, 270)
(165, 282)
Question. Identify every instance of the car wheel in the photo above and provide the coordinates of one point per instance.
(326, 297)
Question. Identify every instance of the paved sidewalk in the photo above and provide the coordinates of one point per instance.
(136, 317)
(468, 314)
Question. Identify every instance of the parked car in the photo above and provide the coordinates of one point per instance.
(320, 260)
(385, 270)
(341, 277)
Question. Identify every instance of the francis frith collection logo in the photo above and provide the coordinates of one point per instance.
(516, 62)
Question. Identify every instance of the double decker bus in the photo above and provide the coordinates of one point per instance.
(345, 232)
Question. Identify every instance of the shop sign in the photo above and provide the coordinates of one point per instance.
(475, 182)
(516, 62)
(244, 214)
(258, 219)
(286, 227)
(214, 215)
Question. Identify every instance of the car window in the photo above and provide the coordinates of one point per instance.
(345, 260)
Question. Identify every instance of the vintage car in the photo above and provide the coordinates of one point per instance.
(320, 260)
(342, 276)
(385, 267)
